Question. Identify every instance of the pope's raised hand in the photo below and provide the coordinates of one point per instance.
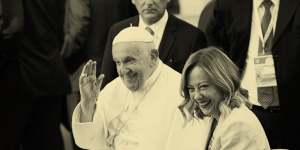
(89, 86)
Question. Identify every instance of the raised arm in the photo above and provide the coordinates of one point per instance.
(89, 86)
(88, 121)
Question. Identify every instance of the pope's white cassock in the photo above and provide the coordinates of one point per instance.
(126, 120)
(188, 135)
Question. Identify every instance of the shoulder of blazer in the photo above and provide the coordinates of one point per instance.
(180, 25)
(117, 27)
(227, 3)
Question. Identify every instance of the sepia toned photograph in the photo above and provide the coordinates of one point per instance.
(149, 74)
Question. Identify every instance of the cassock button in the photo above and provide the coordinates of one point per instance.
(170, 60)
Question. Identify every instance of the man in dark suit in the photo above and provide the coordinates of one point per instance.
(174, 38)
(263, 38)
(34, 79)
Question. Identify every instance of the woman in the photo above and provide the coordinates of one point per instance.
(211, 87)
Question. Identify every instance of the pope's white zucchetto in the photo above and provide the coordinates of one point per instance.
(133, 34)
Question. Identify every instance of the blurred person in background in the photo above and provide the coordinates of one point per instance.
(34, 81)
(262, 37)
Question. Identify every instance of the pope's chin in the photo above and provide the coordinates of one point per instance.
(131, 85)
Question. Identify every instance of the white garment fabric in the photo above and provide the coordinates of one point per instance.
(140, 35)
(188, 135)
(249, 74)
(240, 130)
(151, 110)
(158, 28)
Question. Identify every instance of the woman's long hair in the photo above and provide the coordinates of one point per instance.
(222, 72)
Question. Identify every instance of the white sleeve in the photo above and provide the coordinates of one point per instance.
(89, 135)
(242, 136)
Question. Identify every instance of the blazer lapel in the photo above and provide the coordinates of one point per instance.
(167, 38)
(134, 21)
(285, 13)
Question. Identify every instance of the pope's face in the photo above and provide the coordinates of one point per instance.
(201, 90)
(151, 10)
(133, 64)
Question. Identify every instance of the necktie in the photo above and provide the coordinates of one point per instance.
(150, 30)
(266, 95)
(265, 22)
(266, 50)
(267, 16)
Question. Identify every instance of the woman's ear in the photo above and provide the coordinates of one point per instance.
(133, 1)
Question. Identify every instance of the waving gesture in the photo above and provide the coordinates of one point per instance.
(89, 86)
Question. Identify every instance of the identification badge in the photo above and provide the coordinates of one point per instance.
(265, 71)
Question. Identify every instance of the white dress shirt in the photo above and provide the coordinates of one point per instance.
(158, 28)
(249, 74)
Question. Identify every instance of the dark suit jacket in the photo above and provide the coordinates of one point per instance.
(232, 32)
(41, 64)
(103, 14)
(179, 40)
(206, 16)
(10, 10)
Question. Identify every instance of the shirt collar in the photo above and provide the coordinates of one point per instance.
(258, 3)
(157, 26)
(151, 80)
